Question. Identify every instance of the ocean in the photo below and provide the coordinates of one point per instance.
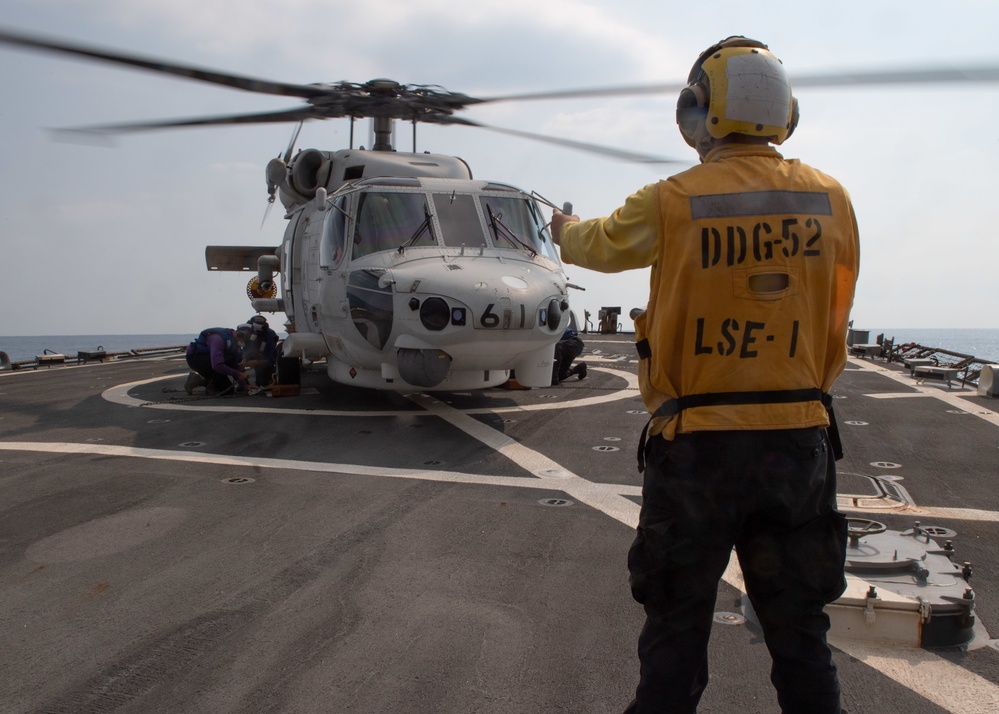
(19, 349)
(981, 343)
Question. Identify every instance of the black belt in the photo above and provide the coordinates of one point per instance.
(672, 407)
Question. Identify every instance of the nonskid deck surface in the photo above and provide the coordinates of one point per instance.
(349, 551)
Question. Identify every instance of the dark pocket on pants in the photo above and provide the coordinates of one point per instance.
(819, 549)
(649, 557)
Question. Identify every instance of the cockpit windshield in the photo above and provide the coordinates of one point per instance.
(459, 220)
(515, 223)
(398, 220)
(392, 220)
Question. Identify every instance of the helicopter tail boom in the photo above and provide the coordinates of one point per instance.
(236, 258)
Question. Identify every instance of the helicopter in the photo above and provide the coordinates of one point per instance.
(400, 269)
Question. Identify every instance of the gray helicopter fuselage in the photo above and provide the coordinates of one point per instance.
(424, 278)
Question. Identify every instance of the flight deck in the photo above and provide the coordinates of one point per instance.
(346, 550)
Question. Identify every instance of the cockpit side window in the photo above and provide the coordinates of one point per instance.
(334, 233)
(513, 223)
(460, 223)
(392, 220)
(542, 232)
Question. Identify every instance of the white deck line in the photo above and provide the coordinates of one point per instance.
(954, 398)
(918, 670)
(947, 685)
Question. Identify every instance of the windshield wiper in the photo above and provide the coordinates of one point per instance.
(427, 225)
(497, 223)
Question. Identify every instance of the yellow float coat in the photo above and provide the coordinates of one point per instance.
(754, 262)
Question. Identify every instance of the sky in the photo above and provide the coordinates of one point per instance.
(109, 239)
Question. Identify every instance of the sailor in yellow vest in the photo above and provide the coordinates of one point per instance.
(754, 260)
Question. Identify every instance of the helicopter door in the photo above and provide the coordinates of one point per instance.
(292, 268)
(311, 271)
(333, 245)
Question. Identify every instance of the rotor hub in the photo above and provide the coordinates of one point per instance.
(388, 99)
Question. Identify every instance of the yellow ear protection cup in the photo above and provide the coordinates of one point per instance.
(737, 87)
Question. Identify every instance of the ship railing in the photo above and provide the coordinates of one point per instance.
(50, 358)
(970, 366)
(157, 351)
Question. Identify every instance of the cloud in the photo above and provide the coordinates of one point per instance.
(92, 212)
(918, 160)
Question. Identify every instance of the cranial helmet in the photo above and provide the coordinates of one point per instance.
(258, 323)
(243, 332)
(737, 87)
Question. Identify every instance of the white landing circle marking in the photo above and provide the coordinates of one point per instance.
(885, 465)
(856, 423)
(605, 448)
(955, 398)
(919, 670)
(119, 395)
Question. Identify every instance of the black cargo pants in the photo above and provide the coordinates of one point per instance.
(215, 382)
(772, 496)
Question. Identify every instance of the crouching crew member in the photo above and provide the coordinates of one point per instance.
(261, 350)
(215, 357)
(568, 348)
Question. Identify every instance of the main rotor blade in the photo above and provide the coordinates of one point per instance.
(624, 91)
(983, 73)
(569, 143)
(979, 73)
(250, 84)
(299, 114)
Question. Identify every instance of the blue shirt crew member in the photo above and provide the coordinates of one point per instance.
(567, 349)
(216, 355)
(754, 262)
(261, 350)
